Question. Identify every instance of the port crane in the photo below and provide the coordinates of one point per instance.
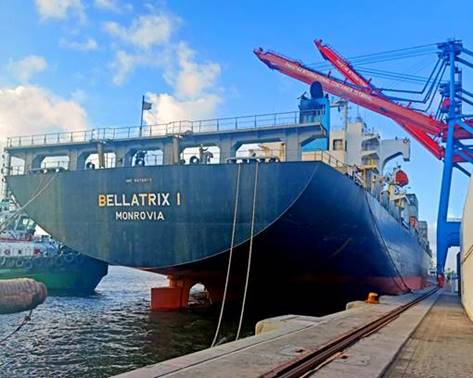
(447, 135)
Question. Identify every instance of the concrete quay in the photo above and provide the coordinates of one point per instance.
(442, 345)
(417, 343)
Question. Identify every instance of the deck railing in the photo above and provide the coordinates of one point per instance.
(172, 128)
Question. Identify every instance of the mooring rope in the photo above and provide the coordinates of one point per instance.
(26, 319)
(250, 252)
(230, 255)
(3, 225)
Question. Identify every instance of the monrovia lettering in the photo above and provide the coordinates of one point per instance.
(139, 215)
(159, 199)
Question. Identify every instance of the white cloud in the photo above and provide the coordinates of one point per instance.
(59, 9)
(194, 93)
(123, 65)
(167, 108)
(144, 31)
(85, 45)
(195, 85)
(79, 95)
(192, 78)
(31, 110)
(25, 68)
(112, 5)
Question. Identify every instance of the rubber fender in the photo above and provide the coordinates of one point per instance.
(38, 261)
(21, 294)
(59, 261)
(10, 262)
(28, 264)
(69, 258)
(51, 261)
(194, 160)
(80, 259)
(19, 263)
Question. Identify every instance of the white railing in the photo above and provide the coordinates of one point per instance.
(172, 128)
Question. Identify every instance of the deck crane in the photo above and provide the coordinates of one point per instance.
(442, 136)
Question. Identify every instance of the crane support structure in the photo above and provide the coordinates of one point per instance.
(441, 135)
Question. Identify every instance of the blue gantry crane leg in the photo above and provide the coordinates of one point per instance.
(448, 232)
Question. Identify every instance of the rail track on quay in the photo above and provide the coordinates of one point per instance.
(312, 360)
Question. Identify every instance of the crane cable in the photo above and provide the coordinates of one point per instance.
(230, 256)
(404, 53)
(250, 252)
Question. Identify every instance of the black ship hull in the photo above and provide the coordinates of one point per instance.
(315, 229)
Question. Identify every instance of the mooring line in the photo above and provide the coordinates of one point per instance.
(3, 225)
(250, 252)
(26, 319)
(230, 256)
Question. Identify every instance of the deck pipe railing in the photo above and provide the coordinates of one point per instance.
(172, 128)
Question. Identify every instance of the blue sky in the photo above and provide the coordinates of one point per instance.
(73, 63)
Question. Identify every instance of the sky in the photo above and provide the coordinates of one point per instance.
(75, 64)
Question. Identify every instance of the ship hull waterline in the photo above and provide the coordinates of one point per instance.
(315, 231)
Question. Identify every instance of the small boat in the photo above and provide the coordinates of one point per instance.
(26, 255)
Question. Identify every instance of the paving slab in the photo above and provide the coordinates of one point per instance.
(442, 346)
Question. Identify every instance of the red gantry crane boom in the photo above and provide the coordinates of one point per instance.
(419, 125)
(346, 69)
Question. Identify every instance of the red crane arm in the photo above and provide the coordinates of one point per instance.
(342, 65)
(346, 69)
(375, 103)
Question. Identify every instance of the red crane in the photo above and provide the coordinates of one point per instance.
(345, 68)
(360, 91)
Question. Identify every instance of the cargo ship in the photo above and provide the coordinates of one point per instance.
(315, 209)
(26, 255)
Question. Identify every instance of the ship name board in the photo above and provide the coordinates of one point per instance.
(149, 200)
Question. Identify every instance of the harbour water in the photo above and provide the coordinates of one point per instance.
(103, 334)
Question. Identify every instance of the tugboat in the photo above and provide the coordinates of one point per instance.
(26, 255)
